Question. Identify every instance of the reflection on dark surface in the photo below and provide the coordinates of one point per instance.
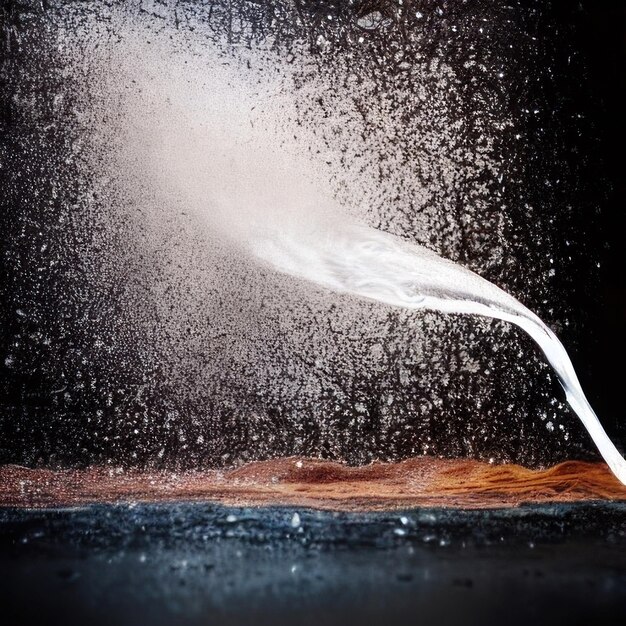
(207, 564)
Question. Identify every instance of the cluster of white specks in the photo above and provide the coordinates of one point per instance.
(178, 347)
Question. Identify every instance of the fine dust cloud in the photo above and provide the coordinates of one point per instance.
(217, 167)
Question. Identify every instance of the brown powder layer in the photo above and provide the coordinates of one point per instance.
(319, 484)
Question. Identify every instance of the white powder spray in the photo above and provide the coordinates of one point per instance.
(369, 263)
(218, 138)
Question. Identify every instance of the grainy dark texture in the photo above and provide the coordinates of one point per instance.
(490, 131)
(198, 564)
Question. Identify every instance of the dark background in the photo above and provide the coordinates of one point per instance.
(52, 383)
(600, 34)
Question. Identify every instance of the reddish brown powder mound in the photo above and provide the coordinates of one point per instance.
(319, 484)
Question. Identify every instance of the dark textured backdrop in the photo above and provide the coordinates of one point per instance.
(101, 363)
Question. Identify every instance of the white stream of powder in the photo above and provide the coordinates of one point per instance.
(368, 263)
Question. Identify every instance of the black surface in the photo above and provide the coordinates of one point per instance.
(197, 564)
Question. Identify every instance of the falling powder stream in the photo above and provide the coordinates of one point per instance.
(368, 263)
